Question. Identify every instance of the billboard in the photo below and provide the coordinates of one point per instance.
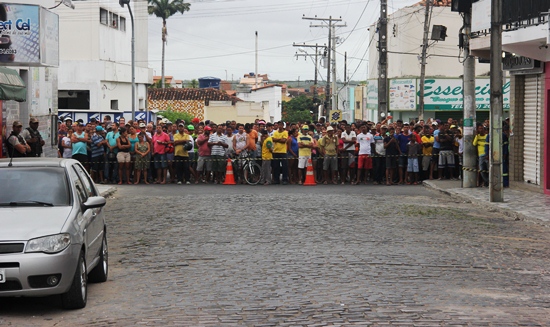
(402, 94)
(29, 35)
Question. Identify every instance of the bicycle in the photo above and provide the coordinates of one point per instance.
(251, 171)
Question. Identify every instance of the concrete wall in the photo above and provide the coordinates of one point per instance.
(242, 112)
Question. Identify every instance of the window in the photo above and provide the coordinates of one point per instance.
(114, 21)
(73, 99)
(114, 104)
(122, 24)
(357, 104)
(103, 16)
(88, 188)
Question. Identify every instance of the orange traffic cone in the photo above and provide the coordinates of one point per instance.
(229, 178)
(310, 179)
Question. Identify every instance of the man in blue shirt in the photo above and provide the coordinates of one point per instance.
(403, 139)
(111, 164)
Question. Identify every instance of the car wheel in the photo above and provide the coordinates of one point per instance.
(77, 295)
(100, 272)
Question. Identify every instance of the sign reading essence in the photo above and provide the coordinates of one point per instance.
(447, 94)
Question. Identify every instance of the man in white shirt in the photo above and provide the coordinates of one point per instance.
(349, 137)
(364, 164)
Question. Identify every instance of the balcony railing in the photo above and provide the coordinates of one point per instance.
(522, 13)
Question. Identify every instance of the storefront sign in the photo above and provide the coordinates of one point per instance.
(29, 35)
(402, 94)
(446, 94)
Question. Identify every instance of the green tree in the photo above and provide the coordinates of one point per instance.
(298, 109)
(165, 9)
(174, 115)
(194, 84)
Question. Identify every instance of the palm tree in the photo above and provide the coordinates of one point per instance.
(165, 9)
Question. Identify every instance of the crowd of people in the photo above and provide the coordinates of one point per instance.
(182, 152)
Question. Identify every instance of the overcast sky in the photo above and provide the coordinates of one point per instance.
(216, 37)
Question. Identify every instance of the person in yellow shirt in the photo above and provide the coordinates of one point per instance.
(280, 162)
(181, 154)
(427, 147)
(305, 144)
(480, 140)
(267, 157)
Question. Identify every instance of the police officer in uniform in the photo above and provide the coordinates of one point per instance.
(33, 138)
(16, 144)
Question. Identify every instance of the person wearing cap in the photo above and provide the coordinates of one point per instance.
(142, 126)
(80, 141)
(68, 122)
(98, 155)
(328, 146)
(204, 164)
(305, 146)
(280, 162)
(33, 138)
(16, 145)
(218, 143)
(181, 155)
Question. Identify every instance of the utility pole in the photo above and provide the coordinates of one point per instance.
(334, 97)
(423, 63)
(256, 66)
(331, 24)
(316, 46)
(469, 81)
(383, 61)
(495, 148)
(133, 54)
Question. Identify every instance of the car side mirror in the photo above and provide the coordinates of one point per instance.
(94, 202)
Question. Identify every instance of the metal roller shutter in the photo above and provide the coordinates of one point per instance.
(532, 129)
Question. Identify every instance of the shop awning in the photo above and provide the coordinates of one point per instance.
(12, 86)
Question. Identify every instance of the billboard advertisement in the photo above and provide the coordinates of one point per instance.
(402, 94)
(29, 35)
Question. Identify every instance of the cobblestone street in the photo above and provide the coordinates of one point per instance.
(298, 256)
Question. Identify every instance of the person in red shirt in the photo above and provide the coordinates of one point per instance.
(204, 163)
(160, 141)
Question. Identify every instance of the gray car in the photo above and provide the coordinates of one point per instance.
(53, 235)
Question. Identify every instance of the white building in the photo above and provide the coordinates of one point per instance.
(443, 66)
(269, 95)
(95, 59)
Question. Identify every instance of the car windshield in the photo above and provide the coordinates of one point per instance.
(34, 185)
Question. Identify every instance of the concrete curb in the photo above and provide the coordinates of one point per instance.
(107, 191)
(481, 203)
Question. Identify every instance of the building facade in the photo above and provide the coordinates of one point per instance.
(95, 71)
(525, 40)
(444, 70)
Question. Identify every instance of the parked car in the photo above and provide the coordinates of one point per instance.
(53, 235)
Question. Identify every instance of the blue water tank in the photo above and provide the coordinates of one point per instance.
(209, 82)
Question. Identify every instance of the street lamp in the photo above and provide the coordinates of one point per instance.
(127, 3)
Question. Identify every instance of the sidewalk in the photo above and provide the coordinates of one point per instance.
(518, 204)
(105, 190)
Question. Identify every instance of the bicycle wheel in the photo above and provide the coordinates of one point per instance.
(252, 173)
